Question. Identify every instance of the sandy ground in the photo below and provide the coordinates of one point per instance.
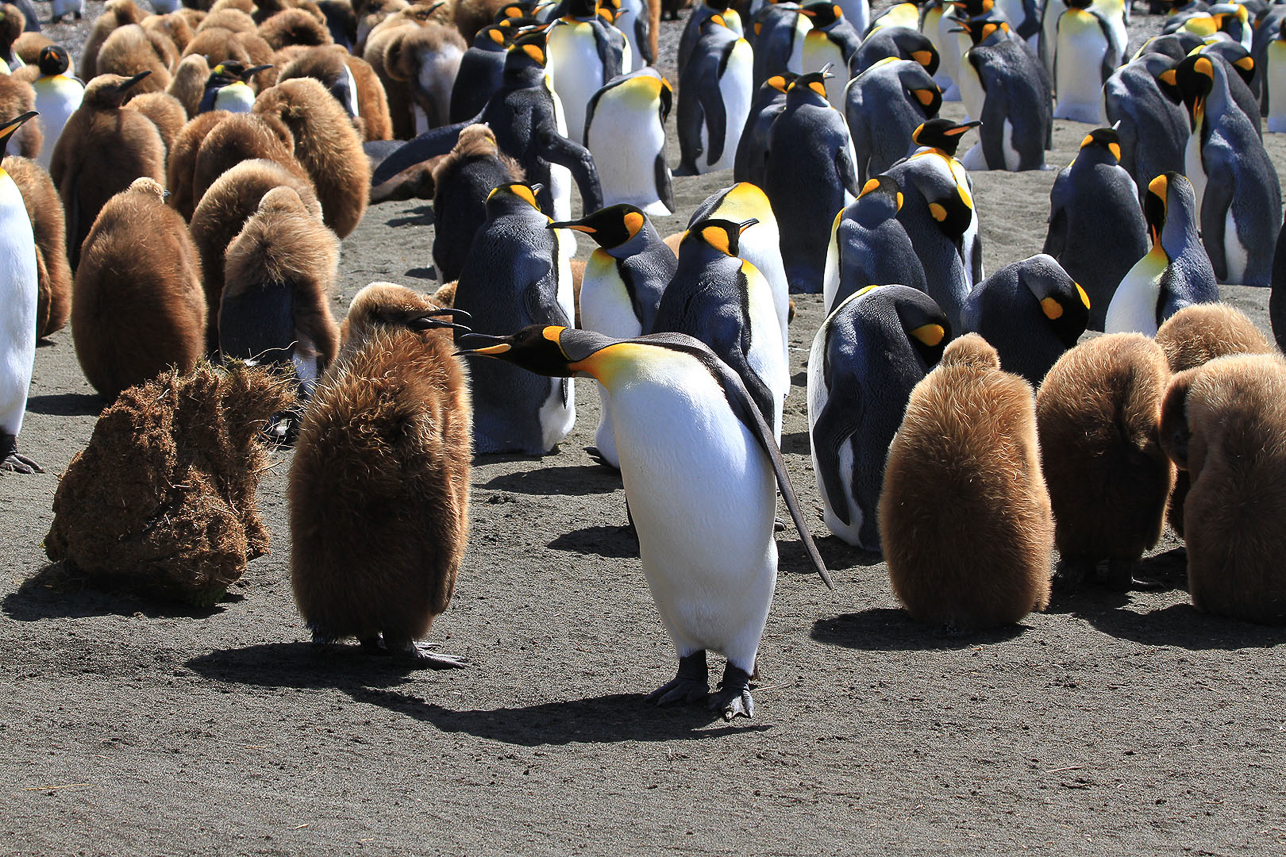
(1110, 724)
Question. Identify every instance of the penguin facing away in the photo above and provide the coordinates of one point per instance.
(461, 183)
(701, 471)
(779, 30)
(18, 294)
(1004, 86)
(831, 44)
(621, 291)
(869, 246)
(625, 132)
(871, 350)
(982, 557)
(1153, 129)
(883, 106)
(752, 148)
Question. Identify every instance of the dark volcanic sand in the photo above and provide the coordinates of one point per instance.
(1111, 724)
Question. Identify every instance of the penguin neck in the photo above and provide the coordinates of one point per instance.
(524, 76)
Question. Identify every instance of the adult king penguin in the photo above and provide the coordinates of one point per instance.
(872, 349)
(228, 88)
(752, 148)
(1087, 51)
(621, 291)
(869, 246)
(700, 469)
(19, 293)
(625, 131)
(1003, 85)
(832, 44)
(57, 97)
(1153, 129)
(585, 52)
(715, 91)
(883, 106)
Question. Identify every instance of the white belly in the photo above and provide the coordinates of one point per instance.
(1133, 308)
(1195, 169)
(1079, 82)
(56, 100)
(605, 307)
(18, 296)
(767, 355)
(577, 72)
(818, 52)
(735, 87)
(818, 396)
(625, 140)
(1235, 254)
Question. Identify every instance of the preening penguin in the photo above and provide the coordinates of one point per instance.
(137, 303)
(57, 97)
(1153, 129)
(45, 211)
(19, 294)
(517, 273)
(1176, 272)
(883, 106)
(279, 277)
(379, 486)
(1096, 228)
(101, 151)
(869, 246)
(964, 517)
(622, 287)
(809, 176)
(461, 183)
(726, 303)
(625, 131)
(715, 91)
(1099, 410)
(868, 354)
(904, 43)
(701, 470)
(1003, 85)
(1224, 423)
(1031, 312)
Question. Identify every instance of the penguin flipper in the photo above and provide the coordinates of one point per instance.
(847, 172)
(748, 413)
(430, 144)
(664, 184)
(557, 149)
(995, 110)
(1214, 209)
(834, 426)
(1056, 237)
(716, 119)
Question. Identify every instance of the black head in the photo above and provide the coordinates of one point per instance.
(7, 129)
(514, 193)
(980, 31)
(582, 8)
(1106, 139)
(941, 134)
(884, 187)
(611, 226)
(808, 85)
(823, 13)
(535, 348)
(528, 50)
(722, 235)
(927, 328)
(1192, 80)
(1062, 300)
(780, 81)
(1156, 203)
(53, 60)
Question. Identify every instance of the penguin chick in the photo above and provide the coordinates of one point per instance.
(225, 207)
(242, 137)
(188, 82)
(165, 111)
(462, 180)
(1098, 411)
(116, 13)
(17, 97)
(181, 164)
(869, 246)
(1175, 273)
(280, 274)
(45, 210)
(326, 145)
(130, 50)
(1031, 312)
(353, 83)
(294, 26)
(1224, 424)
(870, 351)
(379, 485)
(964, 516)
(417, 64)
(137, 305)
(704, 518)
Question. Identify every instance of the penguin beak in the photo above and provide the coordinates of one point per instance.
(429, 320)
(251, 72)
(500, 346)
(129, 83)
(571, 224)
(15, 123)
(537, 188)
(746, 224)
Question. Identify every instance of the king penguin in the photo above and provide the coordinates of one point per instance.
(1153, 129)
(1176, 272)
(1275, 81)
(228, 88)
(883, 106)
(779, 30)
(701, 470)
(625, 132)
(693, 29)
(752, 148)
(57, 97)
(832, 44)
(726, 303)
(585, 52)
(1086, 54)
(621, 290)
(869, 246)
(1003, 85)
(869, 352)
(19, 294)
(1096, 228)
(714, 99)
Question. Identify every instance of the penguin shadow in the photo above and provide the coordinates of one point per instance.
(1158, 573)
(574, 480)
(799, 379)
(606, 719)
(840, 554)
(56, 592)
(609, 542)
(419, 216)
(66, 404)
(884, 629)
(795, 443)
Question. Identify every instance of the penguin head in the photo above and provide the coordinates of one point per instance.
(810, 88)
(1237, 57)
(582, 8)
(718, 5)
(513, 196)
(972, 351)
(941, 134)
(916, 46)
(714, 22)
(544, 349)
(388, 305)
(1193, 80)
(984, 31)
(111, 90)
(1103, 139)
(880, 197)
(780, 81)
(966, 9)
(1062, 300)
(823, 13)
(493, 38)
(148, 186)
(1169, 207)
(515, 10)
(921, 90)
(722, 235)
(610, 227)
(224, 74)
(1079, 4)
(527, 51)
(53, 60)
(1200, 25)
(7, 129)
(927, 327)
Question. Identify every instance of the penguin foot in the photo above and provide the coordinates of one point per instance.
(733, 696)
(14, 461)
(417, 655)
(1071, 573)
(1120, 575)
(778, 525)
(690, 685)
(683, 170)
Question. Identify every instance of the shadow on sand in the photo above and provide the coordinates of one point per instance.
(605, 541)
(602, 719)
(575, 480)
(67, 404)
(883, 629)
(56, 592)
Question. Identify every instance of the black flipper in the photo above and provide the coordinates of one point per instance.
(834, 426)
(1215, 203)
(716, 117)
(430, 144)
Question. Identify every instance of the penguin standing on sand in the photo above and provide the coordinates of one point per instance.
(810, 176)
(621, 291)
(869, 352)
(1003, 85)
(57, 97)
(705, 519)
(19, 293)
(1238, 194)
(869, 246)
(1031, 312)
(1088, 51)
(752, 148)
(832, 44)
(725, 302)
(625, 131)
(1096, 228)
(517, 273)
(1176, 272)
(883, 106)
(693, 29)
(585, 52)
(714, 99)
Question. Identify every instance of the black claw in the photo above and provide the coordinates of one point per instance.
(733, 696)
(690, 685)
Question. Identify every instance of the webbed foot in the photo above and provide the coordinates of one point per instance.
(419, 656)
(690, 685)
(733, 696)
(14, 461)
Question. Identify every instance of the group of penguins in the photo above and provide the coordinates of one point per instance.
(199, 184)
